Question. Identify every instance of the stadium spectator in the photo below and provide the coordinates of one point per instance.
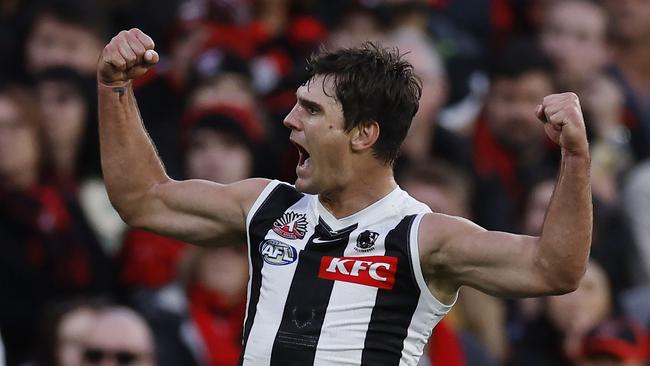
(66, 33)
(616, 342)
(409, 35)
(48, 251)
(67, 100)
(574, 35)
(118, 336)
(509, 150)
(631, 34)
(356, 23)
(636, 200)
(636, 203)
(555, 337)
(198, 319)
(64, 329)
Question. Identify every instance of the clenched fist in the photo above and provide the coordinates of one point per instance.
(564, 123)
(127, 56)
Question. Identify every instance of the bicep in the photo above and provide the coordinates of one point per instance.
(198, 211)
(497, 263)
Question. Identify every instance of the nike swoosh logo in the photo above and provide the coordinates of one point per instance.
(321, 241)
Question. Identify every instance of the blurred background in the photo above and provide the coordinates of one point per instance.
(78, 287)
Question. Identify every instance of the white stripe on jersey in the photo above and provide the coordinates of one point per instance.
(276, 281)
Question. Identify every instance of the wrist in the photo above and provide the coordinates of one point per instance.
(114, 84)
(577, 153)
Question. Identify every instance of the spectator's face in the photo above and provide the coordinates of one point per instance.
(511, 108)
(631, 19)
(118, 340)
(64, 113)
(224, 270)
(229, 88)
(72, 331)
(18, 141)
(55, 43)
(574, 36)
(441, 199)
(578, 312)
(218, 157)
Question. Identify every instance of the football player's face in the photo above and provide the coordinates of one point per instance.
(318, 131)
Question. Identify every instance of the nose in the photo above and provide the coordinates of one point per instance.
(291, 121)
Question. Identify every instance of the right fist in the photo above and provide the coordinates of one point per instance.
(127, 56)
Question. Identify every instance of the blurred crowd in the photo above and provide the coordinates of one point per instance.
(78, 287)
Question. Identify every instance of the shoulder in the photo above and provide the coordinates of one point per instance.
(436, 230)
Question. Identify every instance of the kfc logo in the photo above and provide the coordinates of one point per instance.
(376, 271)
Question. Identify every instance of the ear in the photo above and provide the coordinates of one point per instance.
(364, 136)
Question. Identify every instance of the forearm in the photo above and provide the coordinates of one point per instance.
(566, 235)
(130, 163)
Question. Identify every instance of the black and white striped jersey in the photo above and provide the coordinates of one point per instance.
(327, 291)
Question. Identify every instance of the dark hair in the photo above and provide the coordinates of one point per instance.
(87, 163)
(439, 173)
(520, 57)
(48, 342)
(89, 15)
(372, 84)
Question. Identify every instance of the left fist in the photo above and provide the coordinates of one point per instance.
(564, 123)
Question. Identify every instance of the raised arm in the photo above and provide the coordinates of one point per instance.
(196, 211)
(457, 252)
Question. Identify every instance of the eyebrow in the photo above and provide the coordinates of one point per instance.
(309, 103)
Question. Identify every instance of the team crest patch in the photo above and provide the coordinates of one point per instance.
(366, 241)
(277, 253)
(291, 225)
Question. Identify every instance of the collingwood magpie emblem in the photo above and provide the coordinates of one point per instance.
(291, 225)
(366, 241)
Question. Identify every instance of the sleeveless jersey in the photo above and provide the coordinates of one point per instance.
(328, 291)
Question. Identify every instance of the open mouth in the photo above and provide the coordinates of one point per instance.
(303, 155)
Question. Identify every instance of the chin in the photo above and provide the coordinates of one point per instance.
(306, 187)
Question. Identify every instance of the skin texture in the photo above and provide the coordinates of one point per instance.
(508, 111)
(19, 147)
(120, 329)
(348, 177)
(72, 331)
(574, 35)
(53, 42)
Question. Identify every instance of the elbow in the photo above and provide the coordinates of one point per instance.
(567, 281)
(131, 206)
(560, 281)
(565, 286)
(127, 212)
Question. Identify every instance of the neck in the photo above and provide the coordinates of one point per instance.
(368, 187)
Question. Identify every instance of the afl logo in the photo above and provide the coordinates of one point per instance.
(291, 225)
(277, 253)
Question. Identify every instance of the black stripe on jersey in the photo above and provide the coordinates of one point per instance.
(304, 312)
(280, 198)
(394, 308)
